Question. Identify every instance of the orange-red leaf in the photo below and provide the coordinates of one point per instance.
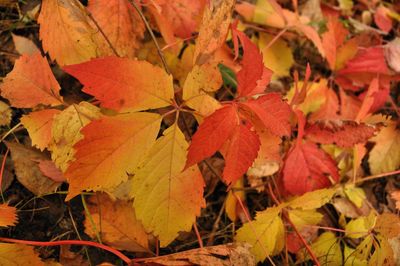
(8, 215)
(111, 148)
(252, 70)
(308, 168)
(273, 112)
(120, 23)
(240, 153)
(341, 133)
(49, 169)
(124, 84)
(382, 19)
(332, 39)
(39, 126)
(31, 83)
(212, 134)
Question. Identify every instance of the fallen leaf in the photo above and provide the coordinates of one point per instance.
(232, 207)
(129, 85)
(384, 156)
(382, 19)
(24, 45)
(392, 54)
(123, 139)
(167, 197)
(18, 254)
(39, 126)
(265, 233)
(49, 169)
(222, 255)
(65, 131)
(116, 224)
(213, 29)
(5, 114)
(31, 83)
(68, 34)
(333, 39)
(8, 216)
(121, 24)
(27, 170)
(314, 199)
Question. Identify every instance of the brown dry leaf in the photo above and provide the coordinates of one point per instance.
(116, 222)
(213, 29)
(68, 34)
(24, 45)
(8, 215)
(69, 258)
(121, 24)
(19, 255)
(348, 209)
(222, 255)
(27, 170)
(5, 114)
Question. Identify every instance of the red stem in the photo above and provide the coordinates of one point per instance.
(69, 242)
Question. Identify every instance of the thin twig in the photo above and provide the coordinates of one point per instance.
(196, 230)
(372, 177)
(153, 37)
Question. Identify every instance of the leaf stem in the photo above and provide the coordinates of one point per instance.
(69, 242)
(153, 37)
(372, 177)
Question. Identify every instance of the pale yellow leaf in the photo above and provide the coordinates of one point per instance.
(166, 199)
(313, 200)
(302, 218)
(66, 131)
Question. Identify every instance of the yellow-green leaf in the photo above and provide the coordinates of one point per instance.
(166, 198)
(302, 218)
(265, 233)
(360, 227)
(313, 200)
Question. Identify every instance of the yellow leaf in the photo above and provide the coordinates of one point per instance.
(355, 194)
(111, 148)
(278, 57)
(265, 14)
(383, 253)
(199, 82)
(360, 227)
(350, 259)
(313, 200)
(17, 254)
(5, 114)
(39, 126)
(231, 202)
(265, 233)
(302, 218)
(116, 223)
(65, 131)
(385, 156)
(8, 215)
(166, 199)
(68, 34)
(213, 29)
(326, 248)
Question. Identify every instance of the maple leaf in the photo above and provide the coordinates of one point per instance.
(120, 23)
(111, 148)
(65, 131)
(265, 233)
(39, 126)
(333, 39)
(212, 134)
(116, 223)
(213, 29)
(8, 215)
(241, 150)
(68, 34)
(18, 254)
(129, 85)
(272, 111)
(167, 198)
(341, 133)
(384, 156)
(252, 70)
(31, 83)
